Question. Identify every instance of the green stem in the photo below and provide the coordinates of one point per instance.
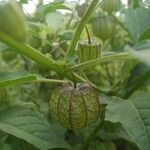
(92, 136)
(49, 81)
(107, 58)
(35, 55)
(88, 34)
(80, 28)
(30, 52)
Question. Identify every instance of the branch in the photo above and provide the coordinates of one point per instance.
(104, 58)
(80, 27)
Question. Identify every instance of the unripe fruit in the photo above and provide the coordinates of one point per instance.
(75, 108)
(111, 5)
(88, 51)
(12, 20)
(103, 27)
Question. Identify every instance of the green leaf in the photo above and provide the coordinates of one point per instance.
(23, 1)
(137, 22)
(3, 46)
(134, 116)
(141, 52)
(114, 131)
(58, 1)
(143, 45)
(15, 78)
(139, 75)
(54, 23)
(26, 123)
(127, 67)
(145, 35)
(143, 56)
(136, 3)
(53, 7)
(4, 146)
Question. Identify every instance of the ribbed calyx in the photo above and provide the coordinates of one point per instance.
(75, 108)
(88, 51)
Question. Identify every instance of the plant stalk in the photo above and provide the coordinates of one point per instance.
(80, 28)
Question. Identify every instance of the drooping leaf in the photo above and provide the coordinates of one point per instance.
(137, 22)
(134, 115)
(23, 121)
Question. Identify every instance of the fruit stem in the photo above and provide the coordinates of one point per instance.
(74, 81)
(88, 34)
(75, 84)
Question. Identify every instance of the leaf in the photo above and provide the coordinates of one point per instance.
(127, 67)
(58, 1)
(114, 131)
(143, 56)
(3, 46)
(134, 116)
(53, 7)
(136, 3)
(141, 52)
(14, 78)
(137, 22)
(143, 45)
(54, 23)
(23, 1)
(145, 35)
(24, 122)
(140, 74)
(5, 146)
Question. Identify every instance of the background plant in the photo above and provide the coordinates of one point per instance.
(30, 69)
